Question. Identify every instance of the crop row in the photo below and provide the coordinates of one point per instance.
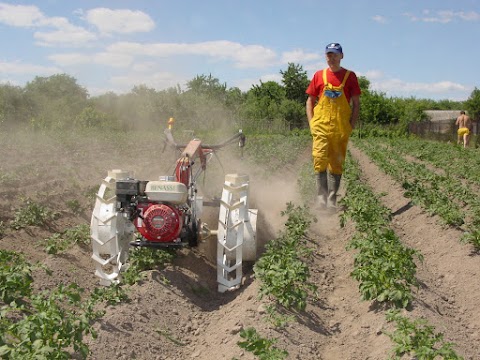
(452, 199)
(386, 269)
(453, 160)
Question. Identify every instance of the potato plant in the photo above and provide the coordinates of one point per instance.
(417, 338)
(32, 214)
(282, 270)
(15, 277)
(142, 259)
(49, 324)
(262, 347)
(77, 235)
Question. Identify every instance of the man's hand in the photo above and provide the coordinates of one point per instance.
(355, 110)
(309, 105)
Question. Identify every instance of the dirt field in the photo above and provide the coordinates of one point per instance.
(185, 317)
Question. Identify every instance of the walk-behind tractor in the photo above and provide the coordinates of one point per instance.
(167, 212)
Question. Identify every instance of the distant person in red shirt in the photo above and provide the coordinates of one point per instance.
(332, 108)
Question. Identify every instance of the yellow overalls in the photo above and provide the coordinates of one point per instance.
(330, 128)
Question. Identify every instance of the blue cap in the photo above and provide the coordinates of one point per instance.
(333, 48)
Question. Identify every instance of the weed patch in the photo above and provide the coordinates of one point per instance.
(142, 259)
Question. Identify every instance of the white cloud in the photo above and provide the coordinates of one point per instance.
(8, 81)
(114, 60)
(157, 80)
(71, 36)
(70, 59)
(119, 21)
(97, 91)
(247, 83)
(243, 56)
(103, 58)
(21, 68)
(271, 77)
(300, 56)
(408, 87)
(444, 16)
(372, 75)
(380, 19)
(396, 87)
(469, 16)
(252, 56)
(63, 33)
(146, 66)
(399, 87)
(314, 67)
(20, 15)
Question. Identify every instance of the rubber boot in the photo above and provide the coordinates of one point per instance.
(333, 186)
(322, 188)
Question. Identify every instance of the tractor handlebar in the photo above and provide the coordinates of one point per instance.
(241, 141)
(240, 136)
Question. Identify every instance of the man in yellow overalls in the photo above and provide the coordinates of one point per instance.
(332, 109)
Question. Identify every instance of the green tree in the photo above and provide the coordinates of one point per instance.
(295, 82)
(55, 101)
(409, 110)
(143, 109)
(472, 105)
(204, 104)
(13, 105)
(90, 117)
(364, 83)
(294, 113)
(234, 100)
(107, 102)
(376, 108)
(264, 100)
(447, 104)
(208, 86)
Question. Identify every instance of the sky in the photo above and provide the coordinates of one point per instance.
(405, 48)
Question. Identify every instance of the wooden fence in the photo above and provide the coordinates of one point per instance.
(440, 130)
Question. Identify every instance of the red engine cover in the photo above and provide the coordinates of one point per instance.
(160, 223)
